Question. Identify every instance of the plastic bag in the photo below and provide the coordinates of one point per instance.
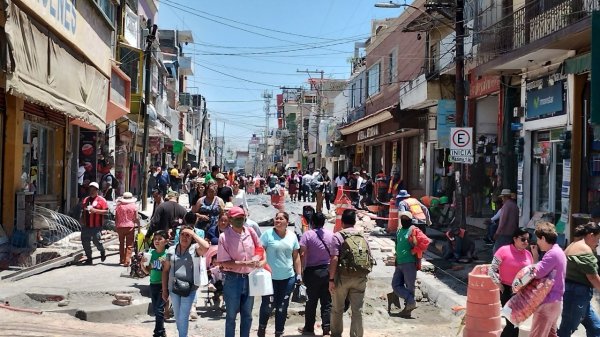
(299, 294)
(522, 305)
(523, 277)
(260, 282)
(203, 271)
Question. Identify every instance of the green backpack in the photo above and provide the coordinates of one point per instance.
(355, 257)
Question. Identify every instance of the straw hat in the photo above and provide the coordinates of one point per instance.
(127, 198)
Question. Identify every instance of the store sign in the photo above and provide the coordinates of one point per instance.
(484, 86)
(369, 132)
(131, 31)
(545, 102)
(446, 118)
(79, 23)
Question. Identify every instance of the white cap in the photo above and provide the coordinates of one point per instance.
(95, 185)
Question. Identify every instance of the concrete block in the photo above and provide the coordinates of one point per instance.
(47, 294)
(112, 313)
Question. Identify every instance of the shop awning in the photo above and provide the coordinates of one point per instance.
(43, 70)
(578, 64)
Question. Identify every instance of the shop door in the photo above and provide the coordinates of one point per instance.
(547, 178)
(376, 158)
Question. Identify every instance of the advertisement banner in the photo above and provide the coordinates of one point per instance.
(446, 114)
(545, 102)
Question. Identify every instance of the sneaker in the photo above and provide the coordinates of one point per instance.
(103, 256)
(88, 262)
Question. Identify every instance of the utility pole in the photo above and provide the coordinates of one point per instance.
(147, 76)
(203, 121)
(222, 146)
(319, 89)
(267, 96)
(459, 93)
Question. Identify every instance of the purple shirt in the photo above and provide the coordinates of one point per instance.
(237, 247)
(336, 243)
(553, 261)
(317, 254)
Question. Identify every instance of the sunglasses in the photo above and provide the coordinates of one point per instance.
(523, 239)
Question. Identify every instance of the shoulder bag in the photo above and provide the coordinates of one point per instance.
(180, 287)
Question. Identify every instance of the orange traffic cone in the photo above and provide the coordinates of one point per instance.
(392, 226)
(483, 317)
(345, 204)
(338, 195)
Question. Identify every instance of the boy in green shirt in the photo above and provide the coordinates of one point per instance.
(155, 269)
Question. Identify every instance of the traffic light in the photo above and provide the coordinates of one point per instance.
(520, 148)
(565, 147)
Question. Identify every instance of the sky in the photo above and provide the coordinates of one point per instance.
(243, 47)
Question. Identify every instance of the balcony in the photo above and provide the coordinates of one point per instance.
(186, 66)
(530, 23)
(355, 115)
(185, 101)
(419, 93)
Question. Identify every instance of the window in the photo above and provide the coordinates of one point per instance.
(360, 91)
(108, 9)
(131, 62)
(392, 65)
(373, 80)
(353, 96)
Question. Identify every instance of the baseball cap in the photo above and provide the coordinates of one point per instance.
(95, 185)
(219, 176)
(236, 212)
(406, 214)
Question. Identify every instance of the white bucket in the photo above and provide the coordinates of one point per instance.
(260, 282)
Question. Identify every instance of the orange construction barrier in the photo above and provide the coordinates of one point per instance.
(392, 226)
(338, 195)
(345, 204)
(483, 318)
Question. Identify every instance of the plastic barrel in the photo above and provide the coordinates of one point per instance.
(483, 318)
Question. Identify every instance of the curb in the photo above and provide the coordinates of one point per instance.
(439, 293)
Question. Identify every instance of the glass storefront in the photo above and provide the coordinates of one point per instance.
(37, 170)
(547, 172)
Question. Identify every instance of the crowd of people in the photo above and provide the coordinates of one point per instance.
(329, 264)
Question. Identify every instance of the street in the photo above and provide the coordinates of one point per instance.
(89, 291)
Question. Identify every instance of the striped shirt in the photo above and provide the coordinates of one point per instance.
(94, 220)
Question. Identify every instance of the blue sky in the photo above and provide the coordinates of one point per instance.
(276, 39)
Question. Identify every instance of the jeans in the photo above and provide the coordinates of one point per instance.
(282, 289)
(91, 234)
(502, 240)
(353, 288)
(236, 293)
(182, 306)
(491, 230)
(403, 281)
(544, 320)
(158, 307)
(509, 330)
(316, 280)
(577, 309)
(126, 236)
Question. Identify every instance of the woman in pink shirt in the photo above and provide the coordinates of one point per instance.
(126, 217)
(507, 262)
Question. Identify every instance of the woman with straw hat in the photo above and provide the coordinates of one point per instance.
(126, 218)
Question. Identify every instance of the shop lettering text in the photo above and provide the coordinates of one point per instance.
(63, 11)
(368, 132)
(485, 86)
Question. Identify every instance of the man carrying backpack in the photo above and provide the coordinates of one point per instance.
(351, 262)
(410, 245)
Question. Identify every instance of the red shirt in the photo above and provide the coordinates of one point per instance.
(94, 220)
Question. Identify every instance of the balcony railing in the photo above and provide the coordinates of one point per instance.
(354, 115)
(530, 23)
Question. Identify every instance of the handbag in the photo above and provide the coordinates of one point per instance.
(299, 294)
(180, 287)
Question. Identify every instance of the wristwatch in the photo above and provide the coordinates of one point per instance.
(331, 280)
